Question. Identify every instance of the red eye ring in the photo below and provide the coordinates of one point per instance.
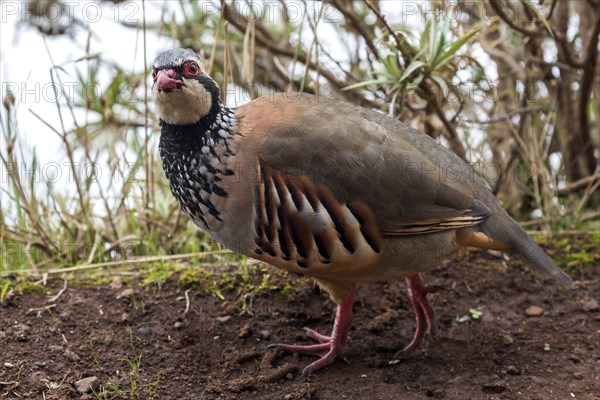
(191, 69)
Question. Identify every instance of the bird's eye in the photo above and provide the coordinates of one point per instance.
(154, 73)
(191, 69)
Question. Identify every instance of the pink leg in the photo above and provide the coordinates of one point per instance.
(330, 346)
(424, 315)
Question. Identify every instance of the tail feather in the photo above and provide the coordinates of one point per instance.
(503, 229)
(527, 248)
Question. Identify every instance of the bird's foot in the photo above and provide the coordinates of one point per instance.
(327, 353)
(330, 346)
(424, 315)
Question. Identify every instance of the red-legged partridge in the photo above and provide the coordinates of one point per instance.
(330, 190)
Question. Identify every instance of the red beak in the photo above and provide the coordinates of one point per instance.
(166, 80)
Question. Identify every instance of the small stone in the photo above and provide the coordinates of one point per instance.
(125, 293)
(177, 325)
(86, 384)
(589, 304)
(287, 396)
(534, 311)
(289, 376)
(23, 327)
(71, 355)
(245, 330)
(117, 283)
(55, 349)
(142, 330)
(37, 379)
(253, 355)
(494, 387)
(39, 364)
(435, 393)
(513, 370)
(281, 373)
(228, 308)
(124, 317)
(8, 365)
(224, 318)
(578, 375)
(507, 339)
(574, 359)
(22, 336)
(264, 334)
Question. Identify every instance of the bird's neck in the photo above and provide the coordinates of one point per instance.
(195, 160)
(213, 130)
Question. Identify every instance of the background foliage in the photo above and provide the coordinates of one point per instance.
(512, 87)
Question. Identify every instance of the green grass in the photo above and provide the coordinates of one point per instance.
(137, 387)
(4, 291)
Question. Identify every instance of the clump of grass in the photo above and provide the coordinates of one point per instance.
(110, 202)
(137, 387)
(4, 289)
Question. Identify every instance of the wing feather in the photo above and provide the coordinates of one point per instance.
(362, 160)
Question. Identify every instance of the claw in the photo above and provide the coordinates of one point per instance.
(330, 346)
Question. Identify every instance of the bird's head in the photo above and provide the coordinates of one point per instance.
(183, 92)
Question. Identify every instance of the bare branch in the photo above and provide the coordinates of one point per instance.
(240, 22)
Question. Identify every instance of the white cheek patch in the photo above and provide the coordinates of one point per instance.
(185, 106)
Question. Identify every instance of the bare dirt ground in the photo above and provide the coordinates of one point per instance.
(138, 341)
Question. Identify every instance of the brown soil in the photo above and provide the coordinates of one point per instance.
(213, 352)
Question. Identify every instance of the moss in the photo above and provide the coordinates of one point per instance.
(245, 280)
(158, 273)
(21, 286)
(595, 239)
(577, 259)
(189, 277)
(576, 253)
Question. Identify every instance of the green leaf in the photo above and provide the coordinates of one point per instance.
(365, 83)
(443, 32)
(411, 68)
(440, 81)
(547, 347)
(391, 65)
(451, 51)
(417, 81)
(385, 73)
(425, 34)
(432, 39)
(4, 290)
(475, 314)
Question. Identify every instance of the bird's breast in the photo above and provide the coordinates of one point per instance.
(196, 176)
